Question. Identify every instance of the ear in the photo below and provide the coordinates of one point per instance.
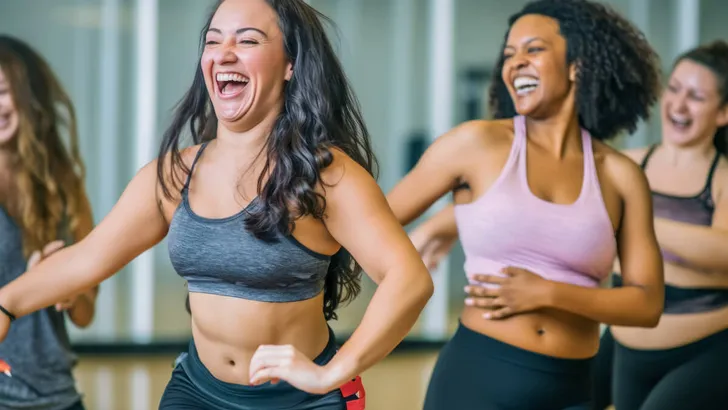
(573, 71)
(722, 119)
(289, 71)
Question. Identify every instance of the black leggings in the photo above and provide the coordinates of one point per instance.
(476, 372)
(690, 377)
(602, 372)
(77, 406)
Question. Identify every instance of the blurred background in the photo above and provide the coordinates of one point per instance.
(418, 67)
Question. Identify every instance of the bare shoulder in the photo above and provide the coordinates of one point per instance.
(174, 176)
(636, 154)
(343, 169)
(720, 180)
(622, 171)
(483, 133)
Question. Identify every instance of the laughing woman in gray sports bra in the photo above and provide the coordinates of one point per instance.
(265, 215)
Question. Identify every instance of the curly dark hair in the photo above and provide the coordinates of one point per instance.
(619, 72)
(713, 56)
(320, 113)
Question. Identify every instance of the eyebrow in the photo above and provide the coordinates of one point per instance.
(239, 31)
(529, 41)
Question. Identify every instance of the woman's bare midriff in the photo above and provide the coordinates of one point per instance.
(227, 331)
(549, 332)
(682, 329)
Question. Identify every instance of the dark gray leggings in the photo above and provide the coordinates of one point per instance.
(690, 377)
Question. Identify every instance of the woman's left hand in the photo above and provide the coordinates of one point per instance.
(273, 363)
(518, 291)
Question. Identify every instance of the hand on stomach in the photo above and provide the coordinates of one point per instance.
(228, 331)
(516, 299)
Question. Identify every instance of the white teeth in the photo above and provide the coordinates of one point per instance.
(524, 84)
(683, 121)
(231, 77)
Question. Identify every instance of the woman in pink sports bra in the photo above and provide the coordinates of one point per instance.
(552, 206)
(655, 368)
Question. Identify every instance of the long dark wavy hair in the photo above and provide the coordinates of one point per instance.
(48, 170)
(320, 113)
(619, 72)
(714, 56)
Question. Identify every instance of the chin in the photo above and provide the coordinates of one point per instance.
(680, 140)
(231, 115)
(528, 106)
(8, 134)
(523, 107)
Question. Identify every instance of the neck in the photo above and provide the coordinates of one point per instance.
(559, 134)
(248, 143)
(688, 155)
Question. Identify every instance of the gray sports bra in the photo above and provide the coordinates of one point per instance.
(219, 256)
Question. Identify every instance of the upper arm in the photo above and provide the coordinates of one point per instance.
(359, 218)
(435, 174)
(84, 226)
(85, 218)
(134, 225)
(639, 252)
(720, 188)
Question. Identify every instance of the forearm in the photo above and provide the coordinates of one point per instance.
(392, 312)
(62, 275)
(84, 308)
(625, 306)
(443, 223)
(702, 246)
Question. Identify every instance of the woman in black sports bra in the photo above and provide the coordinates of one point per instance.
(681, 363)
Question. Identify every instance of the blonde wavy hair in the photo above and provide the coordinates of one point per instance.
(48, 175)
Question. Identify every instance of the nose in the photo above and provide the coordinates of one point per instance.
(517, 61)
(226, 53)
(679, 103)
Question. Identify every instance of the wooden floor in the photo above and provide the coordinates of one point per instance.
(124, 383)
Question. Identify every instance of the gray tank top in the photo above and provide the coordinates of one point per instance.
(37, 346)
(219, 256)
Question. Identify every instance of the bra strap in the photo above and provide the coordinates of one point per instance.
(713, 166)
(186, 187)
(650, 151)
(708, 190)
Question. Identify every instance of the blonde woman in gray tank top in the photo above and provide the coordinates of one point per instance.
(42, 206)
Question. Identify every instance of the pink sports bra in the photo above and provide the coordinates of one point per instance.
(510, 226)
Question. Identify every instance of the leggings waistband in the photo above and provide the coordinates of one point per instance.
(282, 393)
(688, 350)
(498, 350)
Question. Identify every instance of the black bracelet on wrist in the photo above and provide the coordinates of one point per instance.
(10, 315)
